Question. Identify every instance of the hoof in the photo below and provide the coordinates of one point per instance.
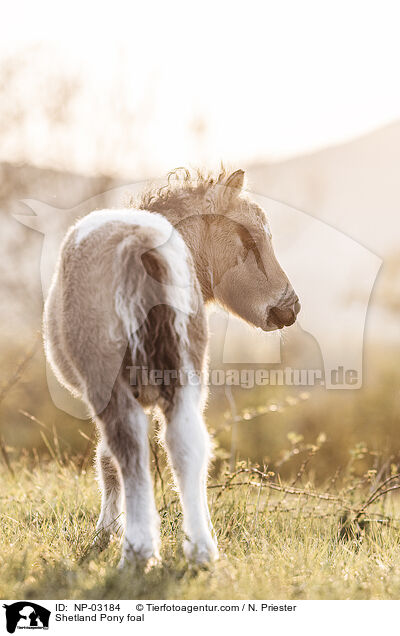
(202, 553)
(142, 558)
(138, 562)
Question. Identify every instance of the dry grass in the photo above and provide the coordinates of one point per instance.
(273, 544)
(318, 519)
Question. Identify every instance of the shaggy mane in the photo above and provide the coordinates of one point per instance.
(180, 183)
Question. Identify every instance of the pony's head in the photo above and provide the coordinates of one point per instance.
(247, 278)
(230, 240)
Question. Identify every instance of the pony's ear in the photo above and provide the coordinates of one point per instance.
(236, 180)
(232, 187)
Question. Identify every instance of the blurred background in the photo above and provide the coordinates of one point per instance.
(304, 96)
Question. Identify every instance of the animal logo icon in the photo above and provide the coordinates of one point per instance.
(26, 615)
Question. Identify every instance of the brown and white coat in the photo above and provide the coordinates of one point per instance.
(130, 291)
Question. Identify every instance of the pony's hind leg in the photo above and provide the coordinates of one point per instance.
(124, 427)
(110, 519)
(188, 445)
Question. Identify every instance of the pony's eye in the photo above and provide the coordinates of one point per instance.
(250, 246)
(246, 239)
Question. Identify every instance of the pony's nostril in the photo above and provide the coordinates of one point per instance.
(283, 317)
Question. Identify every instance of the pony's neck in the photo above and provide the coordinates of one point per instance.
(193, 229)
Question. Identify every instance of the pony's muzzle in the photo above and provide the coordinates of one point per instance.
(280, 317)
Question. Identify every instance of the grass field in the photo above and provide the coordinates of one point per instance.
(325, 524)
(274, 544)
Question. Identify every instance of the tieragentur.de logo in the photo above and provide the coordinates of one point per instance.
(26, 615)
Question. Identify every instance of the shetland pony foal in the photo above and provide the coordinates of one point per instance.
(129, 293)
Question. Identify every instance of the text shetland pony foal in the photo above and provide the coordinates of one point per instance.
(130, 291)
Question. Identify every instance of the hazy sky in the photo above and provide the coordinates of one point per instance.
(257, 79)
